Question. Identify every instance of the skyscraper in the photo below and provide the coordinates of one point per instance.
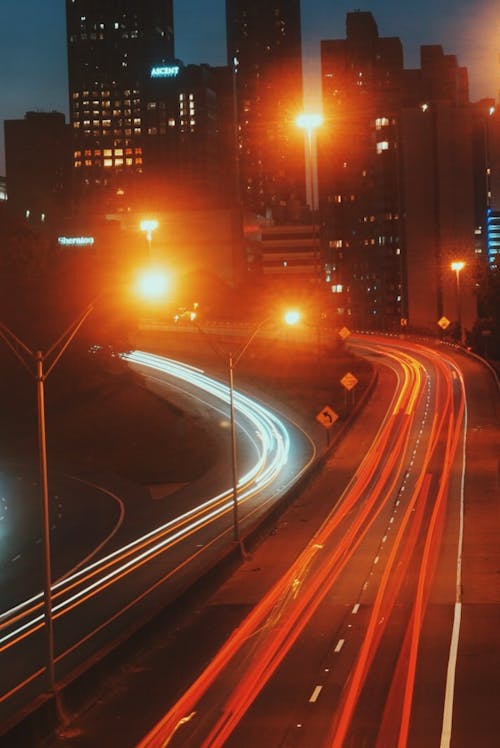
(115, 48)
(264, 47)
(38, 168)
(396, 179)
(359, 172)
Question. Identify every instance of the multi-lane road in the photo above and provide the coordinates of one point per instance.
(384, 632)
(113, 566)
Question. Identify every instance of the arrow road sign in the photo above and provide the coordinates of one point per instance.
(327, 417)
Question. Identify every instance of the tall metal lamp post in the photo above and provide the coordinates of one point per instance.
(291, 317)
(40, 364)
(44, 363)
(148, 225)
(309, 122)
(458, 266)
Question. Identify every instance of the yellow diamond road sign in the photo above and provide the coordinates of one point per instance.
(344, 333)
(444, 322)
(327, 417)
(349, 381)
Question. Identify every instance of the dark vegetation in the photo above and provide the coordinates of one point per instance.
(100, 416)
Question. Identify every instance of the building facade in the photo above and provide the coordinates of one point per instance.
(396, 179)
(264, 50)
(38, 168)
(114, 49)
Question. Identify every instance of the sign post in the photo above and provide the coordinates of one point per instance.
(327, 417)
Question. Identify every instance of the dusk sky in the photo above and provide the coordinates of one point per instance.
(33, 72)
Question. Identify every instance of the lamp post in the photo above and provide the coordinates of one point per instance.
(309, 123)
(458, 266)
(291, 317)
(148, 225)
(44, 363)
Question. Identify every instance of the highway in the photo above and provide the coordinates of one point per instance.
(366, 639)
(116, 573)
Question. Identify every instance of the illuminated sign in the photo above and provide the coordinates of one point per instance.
(165, 71)
(75, 241)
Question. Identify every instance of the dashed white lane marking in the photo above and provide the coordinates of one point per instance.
(376, 559)
(315, 694)
(355, 609)
(339, 646)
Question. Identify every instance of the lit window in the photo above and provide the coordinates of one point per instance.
(383, 145)
(108, 162)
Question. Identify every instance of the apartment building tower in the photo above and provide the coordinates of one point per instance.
(115, 48)
(264, 50)
(396, 180)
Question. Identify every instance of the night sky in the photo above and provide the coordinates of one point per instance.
(33, 74)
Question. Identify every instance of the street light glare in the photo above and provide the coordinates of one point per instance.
(152, 284)
(292, 317)
(457, 266)
(309, 121)
(149, 224)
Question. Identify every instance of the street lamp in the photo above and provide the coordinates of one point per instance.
(148, 225)
(40, 364)
(152, 284)
(44, 363)
(291, 317)
(458, 266)
(309, 122)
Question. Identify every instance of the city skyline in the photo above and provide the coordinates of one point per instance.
(38, 81)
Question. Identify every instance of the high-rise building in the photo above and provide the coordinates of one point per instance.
(396, 179)
(37, 151)
(359, 172)
(115, 49)
(264, 49)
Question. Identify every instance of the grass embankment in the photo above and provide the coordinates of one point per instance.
(124, 429)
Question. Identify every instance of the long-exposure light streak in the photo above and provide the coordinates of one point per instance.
(272, 447)
(260, 643)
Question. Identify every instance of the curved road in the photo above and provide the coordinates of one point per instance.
(96, 600)
(362, 642)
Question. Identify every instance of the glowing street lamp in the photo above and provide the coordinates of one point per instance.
(40, 364)
(458, 266)
(152, 285)
(148, 225)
